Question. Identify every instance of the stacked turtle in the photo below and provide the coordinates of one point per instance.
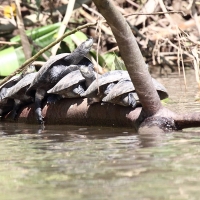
(13, 86)
(53, 71)
(73, 76)
(18, 93)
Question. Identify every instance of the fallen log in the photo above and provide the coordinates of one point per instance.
(77, 112)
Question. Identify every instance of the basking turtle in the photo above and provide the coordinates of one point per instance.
(74, 83)
(70, 86)
(123, 93)
(54, 70)
(6, 105)
(100, 87)
(18, 93)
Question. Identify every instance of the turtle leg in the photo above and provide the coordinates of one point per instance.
(1, 113)
(131, 100)
(109, 88)
(78, 90)
(39, 96)
(16, 108)
(53, 98)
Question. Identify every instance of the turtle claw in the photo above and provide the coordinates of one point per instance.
(41, 120)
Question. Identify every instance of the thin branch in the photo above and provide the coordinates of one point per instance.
(24, 39)
(156, 13)
(162, 5)
(8, 43)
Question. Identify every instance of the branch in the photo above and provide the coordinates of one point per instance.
(24, 39)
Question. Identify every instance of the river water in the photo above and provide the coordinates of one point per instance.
(89, 163)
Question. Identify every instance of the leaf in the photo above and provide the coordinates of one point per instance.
(109, 60)
(101, 60)
(9, 61)
(44, 41)
(37, 32)
(81, 36)
(119, 63)
(71, 45)
(9, 10)
(69, 42)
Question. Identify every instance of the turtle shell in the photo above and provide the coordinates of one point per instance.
(18, 90)
(107, 78)
(10, 82)
(5, 88)
(58, 66)
(67, 81)
(162, 91)
(44, 69)
(126, 86)
(43, 72)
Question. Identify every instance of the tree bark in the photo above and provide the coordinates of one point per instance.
(132, 57)
(77, 112)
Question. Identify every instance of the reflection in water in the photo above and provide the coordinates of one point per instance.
(87, 163)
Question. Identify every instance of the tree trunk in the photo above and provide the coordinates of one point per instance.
(132, 57)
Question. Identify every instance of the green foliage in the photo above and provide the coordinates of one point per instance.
(13, 57)
(9, 60)
(81, 36)
(101, 60)
(113, 62)
(37, 32)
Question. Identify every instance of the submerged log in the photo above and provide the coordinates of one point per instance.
(77, 112)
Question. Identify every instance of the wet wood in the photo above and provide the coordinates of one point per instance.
(76, 112)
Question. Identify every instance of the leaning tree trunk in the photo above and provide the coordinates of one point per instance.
(132, 57)
(152, 114)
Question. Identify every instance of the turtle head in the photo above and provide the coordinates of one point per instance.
(85, 46)
(87, 71)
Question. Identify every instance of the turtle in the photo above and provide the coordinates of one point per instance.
(70, 86)
(74, 83)
(6, 105)
(54, 70)
(123, 93)
(17, 92)
(100, 87)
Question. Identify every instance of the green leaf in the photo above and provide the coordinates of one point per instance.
(9, 60)
(20, 55)
(119, 63)
(37, 32)
(69, 42)
(109, 60)
(43, 41)
(71, 45)
(113, 62)
(101, 60)
(81, 36)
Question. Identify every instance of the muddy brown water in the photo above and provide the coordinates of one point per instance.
(88, 163)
